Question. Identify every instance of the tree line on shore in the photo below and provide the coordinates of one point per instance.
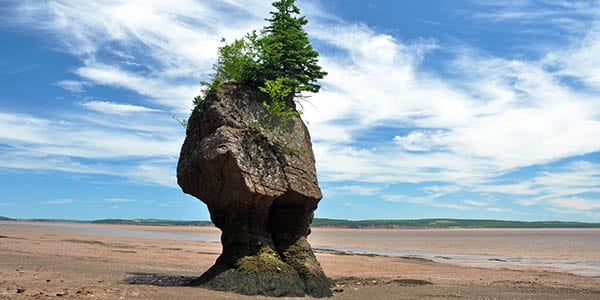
(341, 223)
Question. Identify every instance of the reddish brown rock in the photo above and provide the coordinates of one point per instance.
(258, 179)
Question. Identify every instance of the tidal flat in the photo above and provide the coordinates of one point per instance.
(63, 260)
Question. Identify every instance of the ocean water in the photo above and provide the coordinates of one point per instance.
(577, 267)
(575, 251)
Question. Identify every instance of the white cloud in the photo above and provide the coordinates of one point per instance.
(146, 172)
(118, 200)
(169, 204)
(42, 137)
(438, 190)
(498, 210)
(504, 114)
(563, 15)
(60, 202)
(115, 108)
(577, 203)
(158, 49)
(109, 40)
(177, 97)
(475, 203)
(492, 117)
(155, 172)
(568, 181)
(577, 174)
(420, 140)
(362, 190)
(73, 86)
(521, 188)
(426, 201)
(126, 146)
(579, 61)
(403, 198)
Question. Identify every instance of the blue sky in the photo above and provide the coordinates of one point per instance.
(462, 109)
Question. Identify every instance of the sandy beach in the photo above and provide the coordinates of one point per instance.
(83, 261)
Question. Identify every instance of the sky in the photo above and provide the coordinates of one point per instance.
(431, 109)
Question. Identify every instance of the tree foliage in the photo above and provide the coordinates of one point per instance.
(280, 54)
(277, 110)
(286, 50)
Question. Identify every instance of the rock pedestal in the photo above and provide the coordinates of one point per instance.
(257, 177)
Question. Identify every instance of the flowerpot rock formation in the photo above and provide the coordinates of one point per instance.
(257, 177)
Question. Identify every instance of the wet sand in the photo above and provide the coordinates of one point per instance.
(72, 261)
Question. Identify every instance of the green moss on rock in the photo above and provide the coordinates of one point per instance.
(267, 260)
(300, 256)
(261, 274)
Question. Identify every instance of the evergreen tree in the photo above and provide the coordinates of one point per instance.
(279, 58)
(286, 51)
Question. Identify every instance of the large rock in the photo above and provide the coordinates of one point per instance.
(257, 176)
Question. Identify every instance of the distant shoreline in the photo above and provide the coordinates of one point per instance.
(362, 224)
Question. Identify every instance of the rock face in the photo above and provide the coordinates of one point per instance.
(258, 179)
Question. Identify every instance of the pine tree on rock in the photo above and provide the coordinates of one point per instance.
(287, 52)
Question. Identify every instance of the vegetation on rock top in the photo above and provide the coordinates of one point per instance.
(279, 61)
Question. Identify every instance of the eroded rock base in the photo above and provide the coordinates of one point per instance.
(293, 273)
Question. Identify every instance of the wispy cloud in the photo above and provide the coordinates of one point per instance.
(494, 116)
(571, 180)
(158, 49)
(100, 144)
(426, 201)
(118, 200)
(115, 108)
(59, 202)
(521, 188)
(577, 204)
(362, 190)
(162, 91)
(73, 86)
(169, 204)
(530, 118)
(475, 203)
(420, 140)
(565, 15)
(44, 137)
(574, 187)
